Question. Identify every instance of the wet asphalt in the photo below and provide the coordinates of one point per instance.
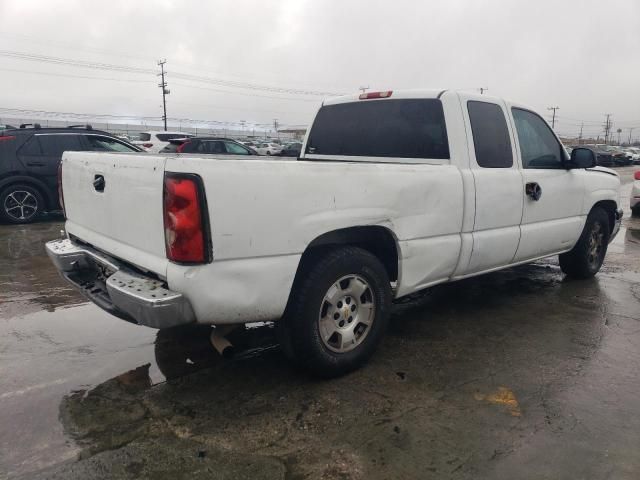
(516, 374)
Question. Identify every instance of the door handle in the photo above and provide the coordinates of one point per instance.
(533, 190)
(98, 183)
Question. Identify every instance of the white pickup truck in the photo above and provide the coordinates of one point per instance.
(393, 192)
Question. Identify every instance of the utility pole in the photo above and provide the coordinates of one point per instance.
(580, 137)
(553, 119)
(607, 128)
(630, 130)
(165, 92)
(364, 89)
(275, 127)
(483, 89)
(619, 132)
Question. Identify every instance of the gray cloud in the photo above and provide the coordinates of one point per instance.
(581, 56)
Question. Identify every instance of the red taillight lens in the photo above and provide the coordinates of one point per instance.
(636, 176)
(60, 192)
(385, 94)
(181, 147)
(7, 138)
(147, 145)
(185, 219)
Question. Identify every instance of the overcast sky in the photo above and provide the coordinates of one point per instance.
(583, 56)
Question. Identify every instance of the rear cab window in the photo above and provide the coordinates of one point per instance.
(389, 128)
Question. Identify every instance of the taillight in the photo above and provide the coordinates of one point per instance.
(7, 138)
(147, 145)
(385, 94)
(181, 147)
(60, 192)
(186, 226)
(636, 176)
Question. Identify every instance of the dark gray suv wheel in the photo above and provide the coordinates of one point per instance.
(20, 204)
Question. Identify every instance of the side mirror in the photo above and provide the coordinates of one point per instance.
(582, 158)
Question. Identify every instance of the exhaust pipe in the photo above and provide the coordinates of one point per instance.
(219, 340)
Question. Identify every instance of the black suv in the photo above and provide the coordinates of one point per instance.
(29, 159)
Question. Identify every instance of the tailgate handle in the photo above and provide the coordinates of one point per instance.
(98, 183)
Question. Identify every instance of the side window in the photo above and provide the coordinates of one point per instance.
(215, 147)
(144, 137)
(538, 145)
(106, 144)
(31, 148)
(235, 149)
(55, 145)
(490, 135)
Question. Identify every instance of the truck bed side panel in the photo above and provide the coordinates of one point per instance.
(264, 213)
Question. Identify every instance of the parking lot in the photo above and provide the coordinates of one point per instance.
(518, 373)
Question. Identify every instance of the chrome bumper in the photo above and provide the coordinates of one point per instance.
(119, 290)
(616, 225)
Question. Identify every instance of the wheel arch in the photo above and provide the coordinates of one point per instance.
(378, 240)
(610, 207)
(44, 190)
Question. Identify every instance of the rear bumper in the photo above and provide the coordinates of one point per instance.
(117, 289)
(616, 225)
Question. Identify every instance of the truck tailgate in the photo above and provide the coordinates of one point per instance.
(125, 218)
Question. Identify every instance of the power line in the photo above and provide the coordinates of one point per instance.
(69, 75)
(140, 70)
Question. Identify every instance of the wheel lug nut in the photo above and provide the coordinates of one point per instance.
(336, 316)
(339, 304)
(341, 323)
(348, 300)
(353, 308)
(350, 319)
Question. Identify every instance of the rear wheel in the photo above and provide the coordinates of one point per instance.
(20, 204)
(585, 259)
(338, 313)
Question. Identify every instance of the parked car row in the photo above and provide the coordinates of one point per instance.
(612, 156)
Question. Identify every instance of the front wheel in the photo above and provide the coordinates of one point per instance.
(338, 313)
(586, 258)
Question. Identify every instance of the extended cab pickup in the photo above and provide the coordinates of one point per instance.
(393, 192)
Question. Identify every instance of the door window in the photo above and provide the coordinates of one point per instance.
(215, 147)
(538, 145)
(55, 145)
(235, 149)
(105, 144)
(490, 135)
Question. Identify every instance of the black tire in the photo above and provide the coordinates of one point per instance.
(358, 271)
(13, 211)
(586, 257)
